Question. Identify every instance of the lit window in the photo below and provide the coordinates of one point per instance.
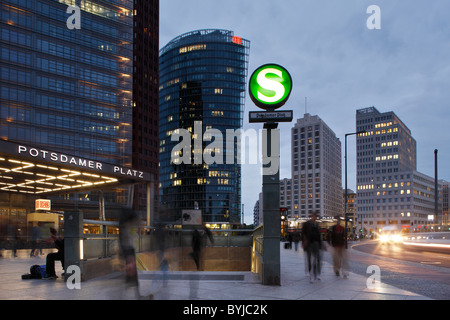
(217, 113)
(192, 48)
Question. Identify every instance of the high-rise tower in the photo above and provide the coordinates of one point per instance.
(316, 169)
(202, 80)
(390, 192)
(145, 141)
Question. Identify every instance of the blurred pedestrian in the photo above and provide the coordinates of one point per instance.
(289, 239)
(161, 279)
(34, 239)
(198, 241)
(13, 238)
(128, 220)
(312, 245)
(296, 238)
(2, 236)
(337, 239)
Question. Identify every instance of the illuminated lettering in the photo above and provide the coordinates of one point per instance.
(237, 40)
(75, 161)
(34, 152)
(271, 85)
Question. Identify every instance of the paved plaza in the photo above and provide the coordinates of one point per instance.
(295, 284)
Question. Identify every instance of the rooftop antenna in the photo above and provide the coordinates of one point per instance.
(306, 105)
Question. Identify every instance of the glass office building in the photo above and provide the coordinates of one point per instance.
(202, 85)
(145, 149)
(68, 89)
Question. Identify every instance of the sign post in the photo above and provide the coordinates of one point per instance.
(270, 86)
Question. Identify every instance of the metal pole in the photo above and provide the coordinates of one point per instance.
(346, 200)
(101, 207)
(346, 195)
(436, 191)
(271, 211)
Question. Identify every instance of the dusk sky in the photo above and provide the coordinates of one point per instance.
(340, 66)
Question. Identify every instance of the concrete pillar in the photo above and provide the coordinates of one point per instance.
(73, 240)
(271, 207)
(149, 203)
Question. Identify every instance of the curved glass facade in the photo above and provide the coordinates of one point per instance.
(202, 80)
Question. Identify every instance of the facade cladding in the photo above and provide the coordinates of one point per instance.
(316, 169)
(68, 90)
(145, 94)
(202, 79)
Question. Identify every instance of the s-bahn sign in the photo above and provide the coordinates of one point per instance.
(268, 116)
(270, 86)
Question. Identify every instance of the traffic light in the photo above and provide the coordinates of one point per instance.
(283, 213)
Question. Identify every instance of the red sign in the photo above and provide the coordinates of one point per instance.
(237, 40)
(42, 204)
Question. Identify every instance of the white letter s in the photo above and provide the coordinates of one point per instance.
(270, 85)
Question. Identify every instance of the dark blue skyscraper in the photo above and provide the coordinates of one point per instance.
(202, 81)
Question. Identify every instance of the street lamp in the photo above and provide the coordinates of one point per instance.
(346, 200)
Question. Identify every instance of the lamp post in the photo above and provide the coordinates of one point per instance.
(346, 199)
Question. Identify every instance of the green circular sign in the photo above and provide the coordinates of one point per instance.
(270, 86)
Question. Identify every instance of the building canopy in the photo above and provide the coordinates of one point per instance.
(33, 170)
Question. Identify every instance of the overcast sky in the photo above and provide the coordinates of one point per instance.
(340, 66)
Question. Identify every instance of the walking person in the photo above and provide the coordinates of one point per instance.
(160, 279)
(337, 239)
(35, 245)
(198, 242)
(289, 239)
(312, 245)
(296, 238)
(128, 223)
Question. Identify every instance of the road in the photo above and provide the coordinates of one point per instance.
(425, 273)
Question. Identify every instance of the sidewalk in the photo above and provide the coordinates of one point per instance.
(295, 285)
